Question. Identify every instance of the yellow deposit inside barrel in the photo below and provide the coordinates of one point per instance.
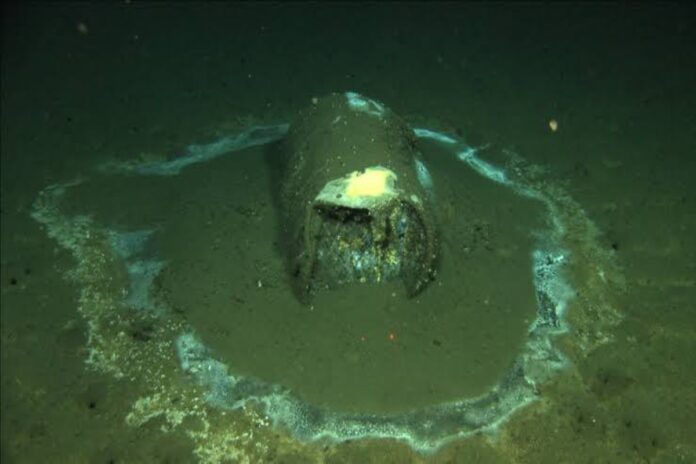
(373, 182)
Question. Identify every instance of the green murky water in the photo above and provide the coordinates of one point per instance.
(85, 84)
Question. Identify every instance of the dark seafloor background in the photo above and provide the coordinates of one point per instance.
(82, 83)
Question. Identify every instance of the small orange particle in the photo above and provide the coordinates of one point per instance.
(391, 336)
(553, 125)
